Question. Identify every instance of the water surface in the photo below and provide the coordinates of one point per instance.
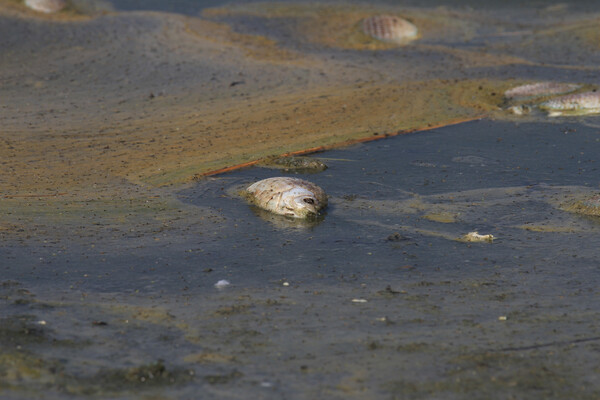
(376, 299)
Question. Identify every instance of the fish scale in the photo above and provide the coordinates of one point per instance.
(292, 197)
(389, 28)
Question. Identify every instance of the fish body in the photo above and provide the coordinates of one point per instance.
(292, 197)
(540, 89)
(476, 237)
(389, 28)
(46, 6)
(573, 104)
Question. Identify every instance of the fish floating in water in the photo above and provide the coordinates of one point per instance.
(476, 237)
(46, 6)
(573, 104)
(566, 105)
(291, 197)
(389, 28)
(540, 89)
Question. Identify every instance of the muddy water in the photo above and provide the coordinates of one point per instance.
(112, 239)
(375, 299)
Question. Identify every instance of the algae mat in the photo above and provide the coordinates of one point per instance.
(112, 241)
(93, 103)
(376, 300)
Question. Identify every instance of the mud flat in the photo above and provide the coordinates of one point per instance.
(337, 306)
(113, 237)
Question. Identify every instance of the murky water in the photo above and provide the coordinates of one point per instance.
(375, 299)
(109, 263)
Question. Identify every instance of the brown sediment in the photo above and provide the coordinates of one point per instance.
(255, 46)
(586, 29)
(549, 228)
(16, 196)
(585, 206)
(158, 151)
(319, 119)
(443, 217)
(341, 144)
(111, 136)
(341, 26)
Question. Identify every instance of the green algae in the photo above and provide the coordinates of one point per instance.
(294, 164)
(28, 373)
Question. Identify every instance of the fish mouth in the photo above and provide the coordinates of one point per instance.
(310, 211)
(308, 214)
(299, 213)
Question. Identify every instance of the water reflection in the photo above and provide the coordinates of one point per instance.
(284, 223)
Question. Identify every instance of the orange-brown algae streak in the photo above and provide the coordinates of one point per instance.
(179, 144)
(320, 117)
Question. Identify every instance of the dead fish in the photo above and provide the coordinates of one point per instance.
(539, 89)
(291, 197)
(573, 104)
(476, 237)
(389, 28)
(46, 6)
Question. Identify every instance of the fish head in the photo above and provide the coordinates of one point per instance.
(300, 203)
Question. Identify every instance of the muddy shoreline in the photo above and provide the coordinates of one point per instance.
(113, 237)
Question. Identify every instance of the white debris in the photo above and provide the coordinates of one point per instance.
(286, 284)
(42, 322)
(476, 237)
(359, 300)
(222, 284)
(502, 318)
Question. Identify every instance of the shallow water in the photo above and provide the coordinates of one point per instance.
(110, 253)
(440, 317)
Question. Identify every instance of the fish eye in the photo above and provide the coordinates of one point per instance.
(309, 200)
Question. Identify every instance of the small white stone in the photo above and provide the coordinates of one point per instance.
(286, 284)
(222, 283)
(502, 318)
(359, 300)
(42, 322)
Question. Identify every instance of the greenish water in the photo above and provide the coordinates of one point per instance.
(517, 317)
(376, 299)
